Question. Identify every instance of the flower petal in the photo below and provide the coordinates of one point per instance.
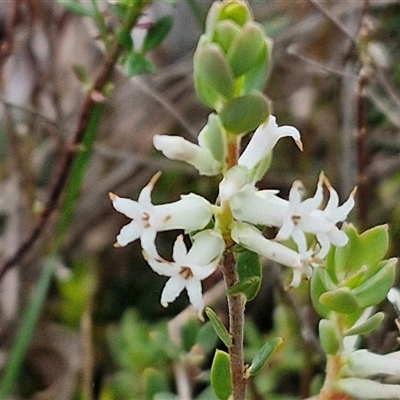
(194, 291)
(207, 246)
(178, 148)
(172, 290)
(128, 207)
(368, 389)
(179, 251)
(129, 233)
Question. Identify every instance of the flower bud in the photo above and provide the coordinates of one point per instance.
(213, 76)
(247, 49)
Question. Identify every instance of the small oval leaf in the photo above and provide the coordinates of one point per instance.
(264, 355)
(367, 326)
(221, 377)
(249, 267)
(244, 114)
(375, 289)
(329, 336)
(248, 285)
(157, 33)
(341, 300)
(219, 327)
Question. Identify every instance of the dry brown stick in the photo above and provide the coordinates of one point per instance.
(236, 325)
(71, 150)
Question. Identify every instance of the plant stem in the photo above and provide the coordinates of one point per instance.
(236, 324)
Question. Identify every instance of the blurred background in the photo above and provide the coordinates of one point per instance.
(102, 333)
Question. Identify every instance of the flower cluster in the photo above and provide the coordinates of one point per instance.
(249, 208)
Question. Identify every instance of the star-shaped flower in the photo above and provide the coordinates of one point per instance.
(296, 217)
(189, 268)
(190, 213)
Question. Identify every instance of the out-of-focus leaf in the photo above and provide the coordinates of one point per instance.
(264, 355)
(157, 33)
(137, 63)
(77, 8)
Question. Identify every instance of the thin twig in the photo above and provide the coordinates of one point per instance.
(334, 20)
(182, 378)
(87, 107)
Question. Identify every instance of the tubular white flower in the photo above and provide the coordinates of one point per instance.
(178, 148)
(295, 217)
(263, 141)
(368, 389)
(363, 363)
(190, 213)
(252, 239)
(188, 269)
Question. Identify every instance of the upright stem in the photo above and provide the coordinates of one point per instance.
(236, 324)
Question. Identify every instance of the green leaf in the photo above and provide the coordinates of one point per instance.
(341, 300)
(367, 326)
(157, 33)
(221, 377)
(317, 288)
(207, 337)
(77, 8)
(264, 355)
(244, 114)
(214, 137)
(245, 51)
(137, 63)
(249, 285)
(249, 270)
(155, 382)
(219, 327)
(189, 332)
(329, 336)
(26, 331)
(362, 250)
(211, 69)
(124, 38)
(375, 289)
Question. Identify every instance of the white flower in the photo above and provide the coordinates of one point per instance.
(295, 217)
(363, 363)
(188, 269)
(252, 239)
(368, 389)
(190, 213)
(178, 148)
(263, 141)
